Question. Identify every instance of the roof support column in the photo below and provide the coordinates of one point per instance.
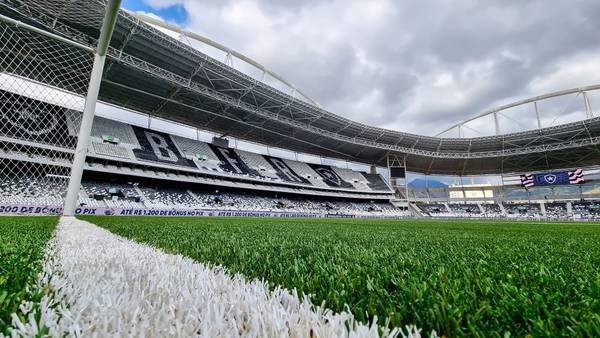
(373, 168)
(496, 124)
(588, 107)
(537, 115)
(108, 25)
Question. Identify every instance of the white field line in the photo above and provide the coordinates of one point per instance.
(52, 308)
(116, 287)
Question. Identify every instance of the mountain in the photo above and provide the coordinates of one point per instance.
(421, 183)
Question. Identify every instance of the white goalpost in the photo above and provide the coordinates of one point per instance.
(108, 25)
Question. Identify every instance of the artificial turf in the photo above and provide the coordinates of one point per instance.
(459, 278)
(22, 242)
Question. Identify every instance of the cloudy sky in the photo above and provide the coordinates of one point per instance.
(411, 65)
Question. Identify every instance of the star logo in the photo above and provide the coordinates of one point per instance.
(550, 178)
(329, 176)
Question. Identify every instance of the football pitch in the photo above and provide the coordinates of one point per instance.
(455, 277)
(22, 241)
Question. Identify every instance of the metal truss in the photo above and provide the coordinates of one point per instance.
(534, 100)
(231, 90)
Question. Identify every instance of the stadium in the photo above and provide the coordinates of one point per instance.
(217, 204)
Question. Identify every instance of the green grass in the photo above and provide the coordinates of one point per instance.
(460, 278)
(22, 241)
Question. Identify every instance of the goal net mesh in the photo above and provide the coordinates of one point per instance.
(43, 81)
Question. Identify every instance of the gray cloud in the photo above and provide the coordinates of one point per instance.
(412, 65)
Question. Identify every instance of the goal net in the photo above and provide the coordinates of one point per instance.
(43, 80)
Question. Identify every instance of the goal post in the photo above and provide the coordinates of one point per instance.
(108, 24)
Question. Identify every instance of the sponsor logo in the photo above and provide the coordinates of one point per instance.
(329, 176)
(550, 178)
(32, 123)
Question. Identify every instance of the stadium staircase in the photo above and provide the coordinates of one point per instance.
(504, 213)
(481, 209)
(140, 192)
(193, 195)
(543, 209)
(569, 208)
(414, 210)
(447, 207)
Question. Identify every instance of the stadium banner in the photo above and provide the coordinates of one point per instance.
(330, 177)
(31, 120)
(53, 210)
(230, 161)
(375, 182)
(556, 178)
(284, 171)
(159, 147)
(12, 209)
(47, 210)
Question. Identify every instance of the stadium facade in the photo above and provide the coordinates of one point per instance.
(46, 60)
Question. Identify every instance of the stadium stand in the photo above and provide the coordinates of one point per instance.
(113, 195)
(38, 127)
(161, 198)
(589, 210)
(329, 176)
(104, 129)
(204, 157)
(248, 181)
(462, 210)
(124, 142)
(259, 164)
(39, 191)
(492, 210)
(556, 210)
(125, 149)
(353, 177)
(523, 210)
(110, 150)
(376, 182)
(465, 210)
(306, 172)
(157, 194)
(433, 209)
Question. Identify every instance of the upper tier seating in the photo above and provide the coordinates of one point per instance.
(306, 172)
(353, 177)
(105, 127)
(258, 163)
(204, 157)
(376, 182)
(113, 150)
(115, 143)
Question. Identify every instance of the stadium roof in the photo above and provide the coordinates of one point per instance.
(151, 72)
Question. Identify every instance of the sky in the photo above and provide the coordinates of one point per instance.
(411, 65)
